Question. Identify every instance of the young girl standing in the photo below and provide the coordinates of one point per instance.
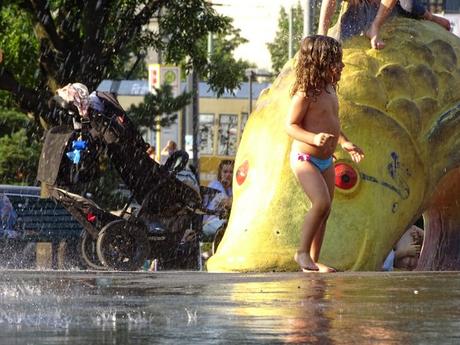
(314, 125)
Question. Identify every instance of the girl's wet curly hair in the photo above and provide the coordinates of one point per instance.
(315, 63)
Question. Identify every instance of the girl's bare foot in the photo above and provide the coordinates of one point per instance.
(373, 34)
(305, 262)
(325, 269)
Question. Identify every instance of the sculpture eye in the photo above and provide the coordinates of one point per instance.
(242, 172)
(346, 176)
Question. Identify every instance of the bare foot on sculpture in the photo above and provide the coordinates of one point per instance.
(445, 23)
(325, 269)
(373, 34)
(305, 262)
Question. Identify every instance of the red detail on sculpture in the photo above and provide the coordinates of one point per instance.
(346, 176)
(242, 173)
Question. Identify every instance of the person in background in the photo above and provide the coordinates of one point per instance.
(409, 8)
(168, 150)
(8, 217)
(222, 200)
(152, 152)
(367, 16)
(405, 254)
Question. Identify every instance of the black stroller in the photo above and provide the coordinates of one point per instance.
(165, 228)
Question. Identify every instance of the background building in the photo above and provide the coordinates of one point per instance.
(449, 9)
(443, 6)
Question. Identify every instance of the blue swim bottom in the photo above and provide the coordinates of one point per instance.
(321, 164)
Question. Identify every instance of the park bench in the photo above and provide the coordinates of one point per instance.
(46, 225)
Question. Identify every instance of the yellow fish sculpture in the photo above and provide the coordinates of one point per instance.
(402, 106)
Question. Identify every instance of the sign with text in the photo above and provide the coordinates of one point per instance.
(164, 74)
(160, 75)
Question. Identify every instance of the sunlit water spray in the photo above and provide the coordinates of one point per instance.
(63, 304)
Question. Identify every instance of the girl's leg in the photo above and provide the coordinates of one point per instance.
(385, 8)
(445, 23)
(314, 185)
(415, 9)
(329, 178)
(325, 16)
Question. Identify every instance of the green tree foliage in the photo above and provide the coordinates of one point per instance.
(279, 48)
(51, 43)
(223, 71)
(19, 152)
(11, 121)
(190, 48)
(21, 50)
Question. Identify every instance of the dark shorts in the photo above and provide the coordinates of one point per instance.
(411, 8)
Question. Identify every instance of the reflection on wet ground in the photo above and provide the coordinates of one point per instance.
(65, 307)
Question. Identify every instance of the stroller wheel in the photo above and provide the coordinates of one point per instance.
(122, 246)
(88, 252)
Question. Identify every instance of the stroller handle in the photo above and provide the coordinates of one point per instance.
(207, 212)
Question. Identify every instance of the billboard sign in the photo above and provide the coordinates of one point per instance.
(164, 74)
(160, 75)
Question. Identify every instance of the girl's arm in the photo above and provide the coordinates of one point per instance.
(343, 138)
(355, 152)
(325, 16)
(297, 112)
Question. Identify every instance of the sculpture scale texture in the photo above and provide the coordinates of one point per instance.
(402, 106)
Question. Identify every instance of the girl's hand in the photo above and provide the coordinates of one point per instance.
(355, 152)
(321, 139)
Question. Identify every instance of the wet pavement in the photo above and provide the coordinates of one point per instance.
(77, 307)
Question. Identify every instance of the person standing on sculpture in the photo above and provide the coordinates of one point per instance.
(314, 125)
(367, 17)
